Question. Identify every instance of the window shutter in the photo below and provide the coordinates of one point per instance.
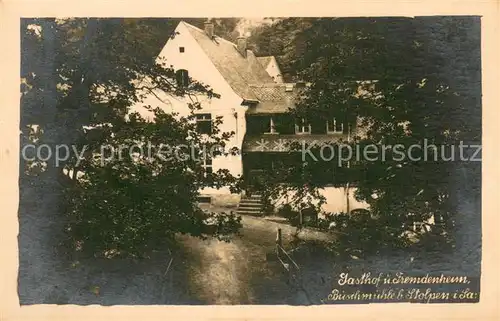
(182, 77)
(349, 123)
(340, 125)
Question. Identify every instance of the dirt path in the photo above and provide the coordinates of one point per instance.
(239, 272)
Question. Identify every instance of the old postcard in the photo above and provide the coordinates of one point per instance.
(271, 160)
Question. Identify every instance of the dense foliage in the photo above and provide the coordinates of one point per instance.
(420, 80)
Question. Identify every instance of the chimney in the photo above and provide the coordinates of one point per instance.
(241, 45)
(209, 29)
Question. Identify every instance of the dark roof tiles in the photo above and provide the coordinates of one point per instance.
(273, 98)
(239, 71)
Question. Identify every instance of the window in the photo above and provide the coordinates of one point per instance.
(271, 129)
(181, 49)
(303, 127)
(334, 126)
(204, 123)
(182, 77)
(204, 199)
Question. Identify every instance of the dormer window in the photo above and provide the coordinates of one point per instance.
(303, 127)
(181, 49)
(334, 126)
(182, 77)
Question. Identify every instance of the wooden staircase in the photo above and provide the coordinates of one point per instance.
(251, 205)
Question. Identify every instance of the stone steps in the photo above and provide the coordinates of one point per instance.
(250, 205)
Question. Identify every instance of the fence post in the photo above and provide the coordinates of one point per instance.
(279, 239)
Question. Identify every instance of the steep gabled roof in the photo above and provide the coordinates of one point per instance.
(237, 70)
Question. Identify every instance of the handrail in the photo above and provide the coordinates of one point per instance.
(297, 277)
(169, 263)
(279, 247)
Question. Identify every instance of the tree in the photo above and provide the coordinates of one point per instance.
(279, 39)
(79, 79)
(410, 68)
(138, 202)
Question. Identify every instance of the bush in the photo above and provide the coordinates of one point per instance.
(134, 218)
(362, 234)
(291, 215)
(309, 215)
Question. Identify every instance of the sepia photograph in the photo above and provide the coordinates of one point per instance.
(298, 161)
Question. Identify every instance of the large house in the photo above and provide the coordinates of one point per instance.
(253, 103)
